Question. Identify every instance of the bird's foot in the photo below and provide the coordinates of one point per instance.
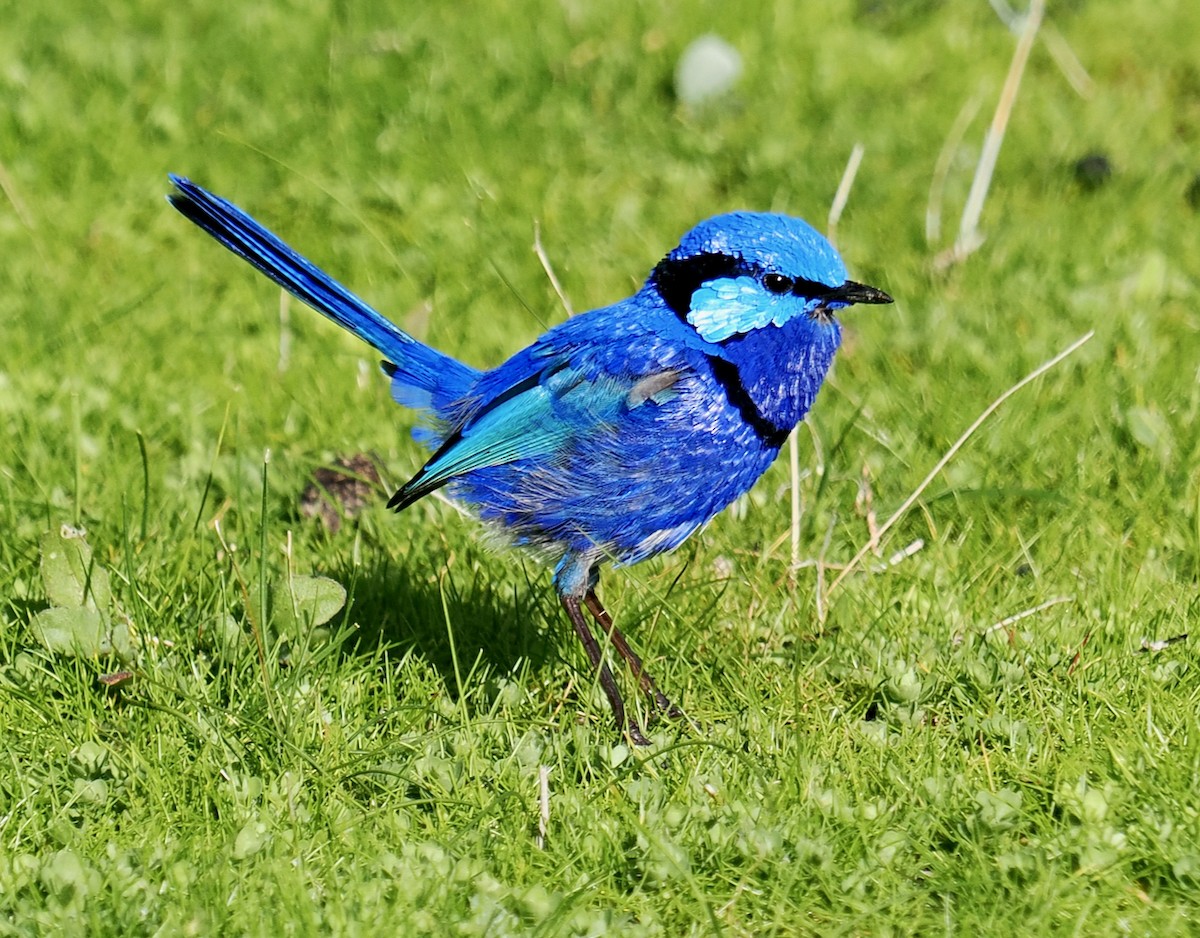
(635, 735)
(664, 708)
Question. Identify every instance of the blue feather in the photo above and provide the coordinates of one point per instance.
(723, 308)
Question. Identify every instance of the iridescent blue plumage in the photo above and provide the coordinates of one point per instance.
(621, 431)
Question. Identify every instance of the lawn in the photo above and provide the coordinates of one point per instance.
(991, 725)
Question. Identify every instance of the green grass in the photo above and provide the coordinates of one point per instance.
(901, 769)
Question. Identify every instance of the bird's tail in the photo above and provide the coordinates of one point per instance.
(422, 377)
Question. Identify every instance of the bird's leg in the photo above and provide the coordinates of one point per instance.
(661, 703)
(624, 724)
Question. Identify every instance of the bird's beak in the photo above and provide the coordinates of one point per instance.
(851, 292)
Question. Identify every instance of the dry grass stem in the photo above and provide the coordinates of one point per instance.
(544, 260)
(821, 591)
(864, 503)
(1026, 613)
(10, 192)
(1058, 47)
(797, 507)
(842, 196)
(941, 169)
(969, 238)
(953, 450)
(543, 805)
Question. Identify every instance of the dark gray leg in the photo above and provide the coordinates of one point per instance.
(625, 725)
(660, 701)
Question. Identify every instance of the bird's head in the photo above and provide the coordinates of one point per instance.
(733, 274)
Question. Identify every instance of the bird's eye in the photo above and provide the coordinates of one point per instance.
(778, 284)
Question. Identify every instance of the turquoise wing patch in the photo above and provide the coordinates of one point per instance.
(537, 417)
(517, 428)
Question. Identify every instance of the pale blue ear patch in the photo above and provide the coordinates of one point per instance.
(734, 305)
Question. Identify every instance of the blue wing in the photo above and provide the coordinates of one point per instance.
(543, 415)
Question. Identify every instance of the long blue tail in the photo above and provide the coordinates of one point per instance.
(421, 376)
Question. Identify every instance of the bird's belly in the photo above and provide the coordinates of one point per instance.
(630, 494)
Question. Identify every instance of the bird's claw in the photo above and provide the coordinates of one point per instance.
(663, 707)
(635, 734)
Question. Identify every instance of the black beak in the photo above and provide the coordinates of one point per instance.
(851, 292)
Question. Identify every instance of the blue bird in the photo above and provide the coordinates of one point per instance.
(622, 431)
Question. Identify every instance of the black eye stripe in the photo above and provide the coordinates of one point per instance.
(677, 279)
